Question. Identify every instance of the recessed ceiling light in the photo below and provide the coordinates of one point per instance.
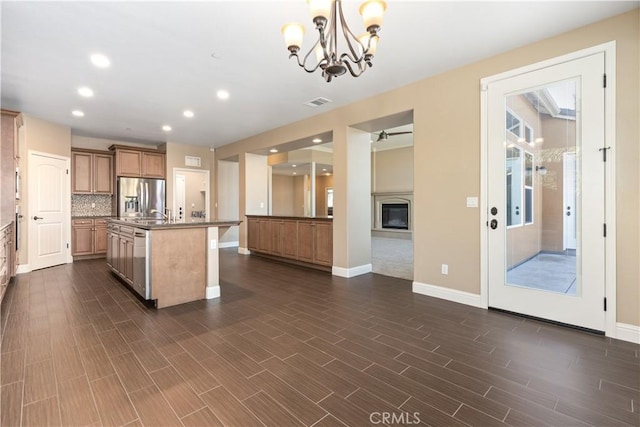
(324, 170)
(100, 60)
(222, 94)
(188, 113)
(327, 174)
(85, 91)
(316, 140)
(295, 173)
(293, 166)
(77, 113)
(273, 150)
(166, 128)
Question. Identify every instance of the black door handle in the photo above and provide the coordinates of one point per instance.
(494, 224)
(37, 218)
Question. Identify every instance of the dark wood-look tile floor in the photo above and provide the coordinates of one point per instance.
(287, 346)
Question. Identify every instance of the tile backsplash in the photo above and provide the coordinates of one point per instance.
(81, 205)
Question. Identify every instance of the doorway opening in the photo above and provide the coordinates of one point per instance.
(190, 195)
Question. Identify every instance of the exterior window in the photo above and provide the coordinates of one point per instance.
(528, 134)
(514, 124)
(528, 188)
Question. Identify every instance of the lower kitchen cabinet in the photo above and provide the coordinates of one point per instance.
(7, 257)
(120, 251)
(89, 237)
(307, 241)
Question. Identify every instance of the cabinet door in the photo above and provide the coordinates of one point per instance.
(82, 243)
(153, 165)
(305, 241)
(253, 232)
(114, 251)
(290, 239)
(128, 269)
(128, 163)
(277, 228)
(324, 243)
(81, 172)
(100, 239)
(103, 174)
(264, 235)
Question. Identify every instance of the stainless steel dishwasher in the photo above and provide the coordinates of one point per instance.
(141, 263)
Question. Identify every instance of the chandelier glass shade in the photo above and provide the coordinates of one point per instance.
(328, 18)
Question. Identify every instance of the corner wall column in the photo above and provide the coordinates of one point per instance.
(352, 202)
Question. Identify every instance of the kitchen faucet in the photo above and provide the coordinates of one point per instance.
(165, 217)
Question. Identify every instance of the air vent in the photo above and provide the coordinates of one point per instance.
(192, 161)
(317, 102)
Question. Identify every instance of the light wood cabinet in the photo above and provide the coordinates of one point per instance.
(91, 172)
(133, 162)
(89, 237)
(120, 251)
(301, 240)
(7, 257)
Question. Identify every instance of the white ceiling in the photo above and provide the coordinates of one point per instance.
(170, 56)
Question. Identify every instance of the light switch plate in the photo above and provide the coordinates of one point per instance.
(472, 202)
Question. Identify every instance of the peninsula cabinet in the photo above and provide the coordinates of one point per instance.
(91, 172)
(134, 162)
(7, 257)
(306, 241)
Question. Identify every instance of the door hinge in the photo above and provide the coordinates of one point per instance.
(605, 304)
(67, 171)
(604, 81)
(67, 246)
(604, 153)
(604, 230)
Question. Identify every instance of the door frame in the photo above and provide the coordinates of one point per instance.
(30, 199)
(207, 187)
(565, 237)
(609, 50)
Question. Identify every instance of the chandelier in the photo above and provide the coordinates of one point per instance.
(328, 17)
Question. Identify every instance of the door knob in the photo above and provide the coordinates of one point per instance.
(37, 218)
(568, 213)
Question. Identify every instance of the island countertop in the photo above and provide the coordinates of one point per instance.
(158, 224)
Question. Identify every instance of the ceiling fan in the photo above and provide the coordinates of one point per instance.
(383, 136)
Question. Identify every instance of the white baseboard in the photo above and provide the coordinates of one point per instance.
(229, 244)
(243, 251)
(212, 292)
(454, 295)
(351, 272)
(23, 268)
(626, 332)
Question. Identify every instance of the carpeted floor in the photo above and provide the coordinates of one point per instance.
(392, 257)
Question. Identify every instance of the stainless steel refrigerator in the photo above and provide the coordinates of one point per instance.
(137, 197)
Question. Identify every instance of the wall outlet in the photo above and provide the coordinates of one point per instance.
(445, 269)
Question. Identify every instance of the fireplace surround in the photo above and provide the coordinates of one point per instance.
(392, 214)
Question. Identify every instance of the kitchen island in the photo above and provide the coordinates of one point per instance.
(167, 263)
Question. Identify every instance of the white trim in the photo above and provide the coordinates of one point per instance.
(448, 294)
(234, 244)
(212, 292)
(243, 251)
(351, 272)
(627, 332)
(23, 269)
(609, 50)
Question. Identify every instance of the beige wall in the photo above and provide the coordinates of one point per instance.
(299, 191)
(447, 157)
(175, 159)
(256, 183)
(282, 195)
(45, 137)
(228, 200)
(392, 171)
(102, 143)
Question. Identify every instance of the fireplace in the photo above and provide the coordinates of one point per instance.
(395, 216)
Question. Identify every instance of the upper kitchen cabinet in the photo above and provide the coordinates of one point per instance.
(91, 172)
(139, 162)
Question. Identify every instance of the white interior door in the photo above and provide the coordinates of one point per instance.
(49, 219)
(547, 113)
(569, 197)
